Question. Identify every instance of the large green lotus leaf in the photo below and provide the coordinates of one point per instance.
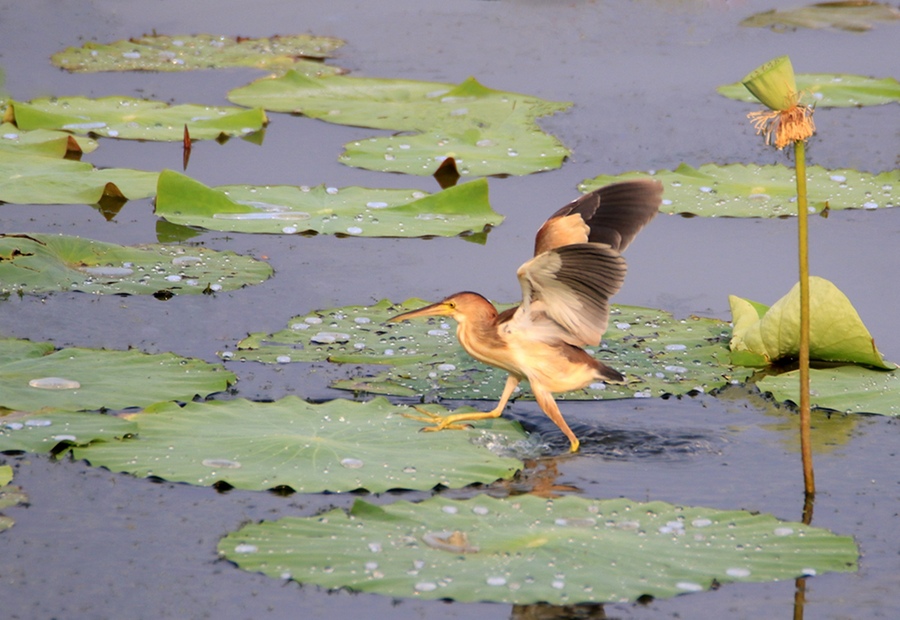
(528, 549)
(831, 90)
(658, 353)
(854, 15)
(202, 51)
(738, 190)
(477, 151)
(33, 179)
(44, 142)
(45, 430)
(335, 446)
(850, 389)
(355, 211)
(401, 105)
(88, 379)
(836, 333)
(135, 119)
(35, 263)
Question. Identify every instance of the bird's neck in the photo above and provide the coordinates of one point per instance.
(477, 328)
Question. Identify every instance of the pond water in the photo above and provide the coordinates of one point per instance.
(642, 75)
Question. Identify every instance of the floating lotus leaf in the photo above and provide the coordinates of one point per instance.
(135, 119)
(43, 142)
(355, 211)
(486, 131)
(203, 51)
(34, 179)
(477, 151)
(854, 15)
(658, 353)
(9, 495)
(527, 549)
(831, 90)
(47, 430)
(35, 263)
(336, 446)
(33, 378)
(850, 389)
(738, 190)
(764, 335)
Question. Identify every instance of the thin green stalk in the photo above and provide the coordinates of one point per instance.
(809, 482)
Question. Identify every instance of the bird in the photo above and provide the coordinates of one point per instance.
(577, 266)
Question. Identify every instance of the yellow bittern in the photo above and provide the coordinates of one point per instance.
(577, 267)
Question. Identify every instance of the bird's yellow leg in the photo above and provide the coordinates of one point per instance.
(549, 406)
(454, 420)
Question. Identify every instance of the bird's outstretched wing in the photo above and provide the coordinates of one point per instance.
(566, 291)
(613, 215)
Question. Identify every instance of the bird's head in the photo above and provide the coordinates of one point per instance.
(460, 306)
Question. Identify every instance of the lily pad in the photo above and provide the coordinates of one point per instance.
(853, 15)
(36, 263)
(43, 142)
(764, 335)
(485, 130)
(477, 151)
(203, 51)
(90, 379)
(45, 431)
(336, 446)
(354, 211)
(738, 190)
(849, 389)
(527, 549)
(135, 119)
(659, 354)
(831, 90)
(34, 179)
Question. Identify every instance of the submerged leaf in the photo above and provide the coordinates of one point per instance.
(34, 179)
(658, 353)
(203, 51)
(33, 377)
(354, 211)
(849, 389)
(831, 90)
(35, 263)
(527, 549)
(854, 15)
(836, 332)
(136, 119)
(738, 190)
(335, 446)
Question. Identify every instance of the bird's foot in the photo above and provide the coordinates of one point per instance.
(440, 422)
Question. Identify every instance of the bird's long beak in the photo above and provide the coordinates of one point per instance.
(437, 309)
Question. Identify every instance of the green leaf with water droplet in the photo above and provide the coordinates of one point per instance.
(34, 179)
(128, 118)
(36, 263)
(849, 389)
(485, 130)
(43, 142)
(739, 190)
(34, 376)
(853, 15)
(658, 353)
(335, 446)
(353, 211)
(831, 90)
(836, 333)
(202, 51)
(54, 430)
(527, 549)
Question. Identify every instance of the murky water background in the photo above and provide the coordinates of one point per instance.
(92, 544)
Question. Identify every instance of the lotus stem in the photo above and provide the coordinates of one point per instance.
(809, 483)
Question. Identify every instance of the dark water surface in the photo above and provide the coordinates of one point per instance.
(92, 544)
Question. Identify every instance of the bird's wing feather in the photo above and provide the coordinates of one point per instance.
(613, 215)
(566, 291)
